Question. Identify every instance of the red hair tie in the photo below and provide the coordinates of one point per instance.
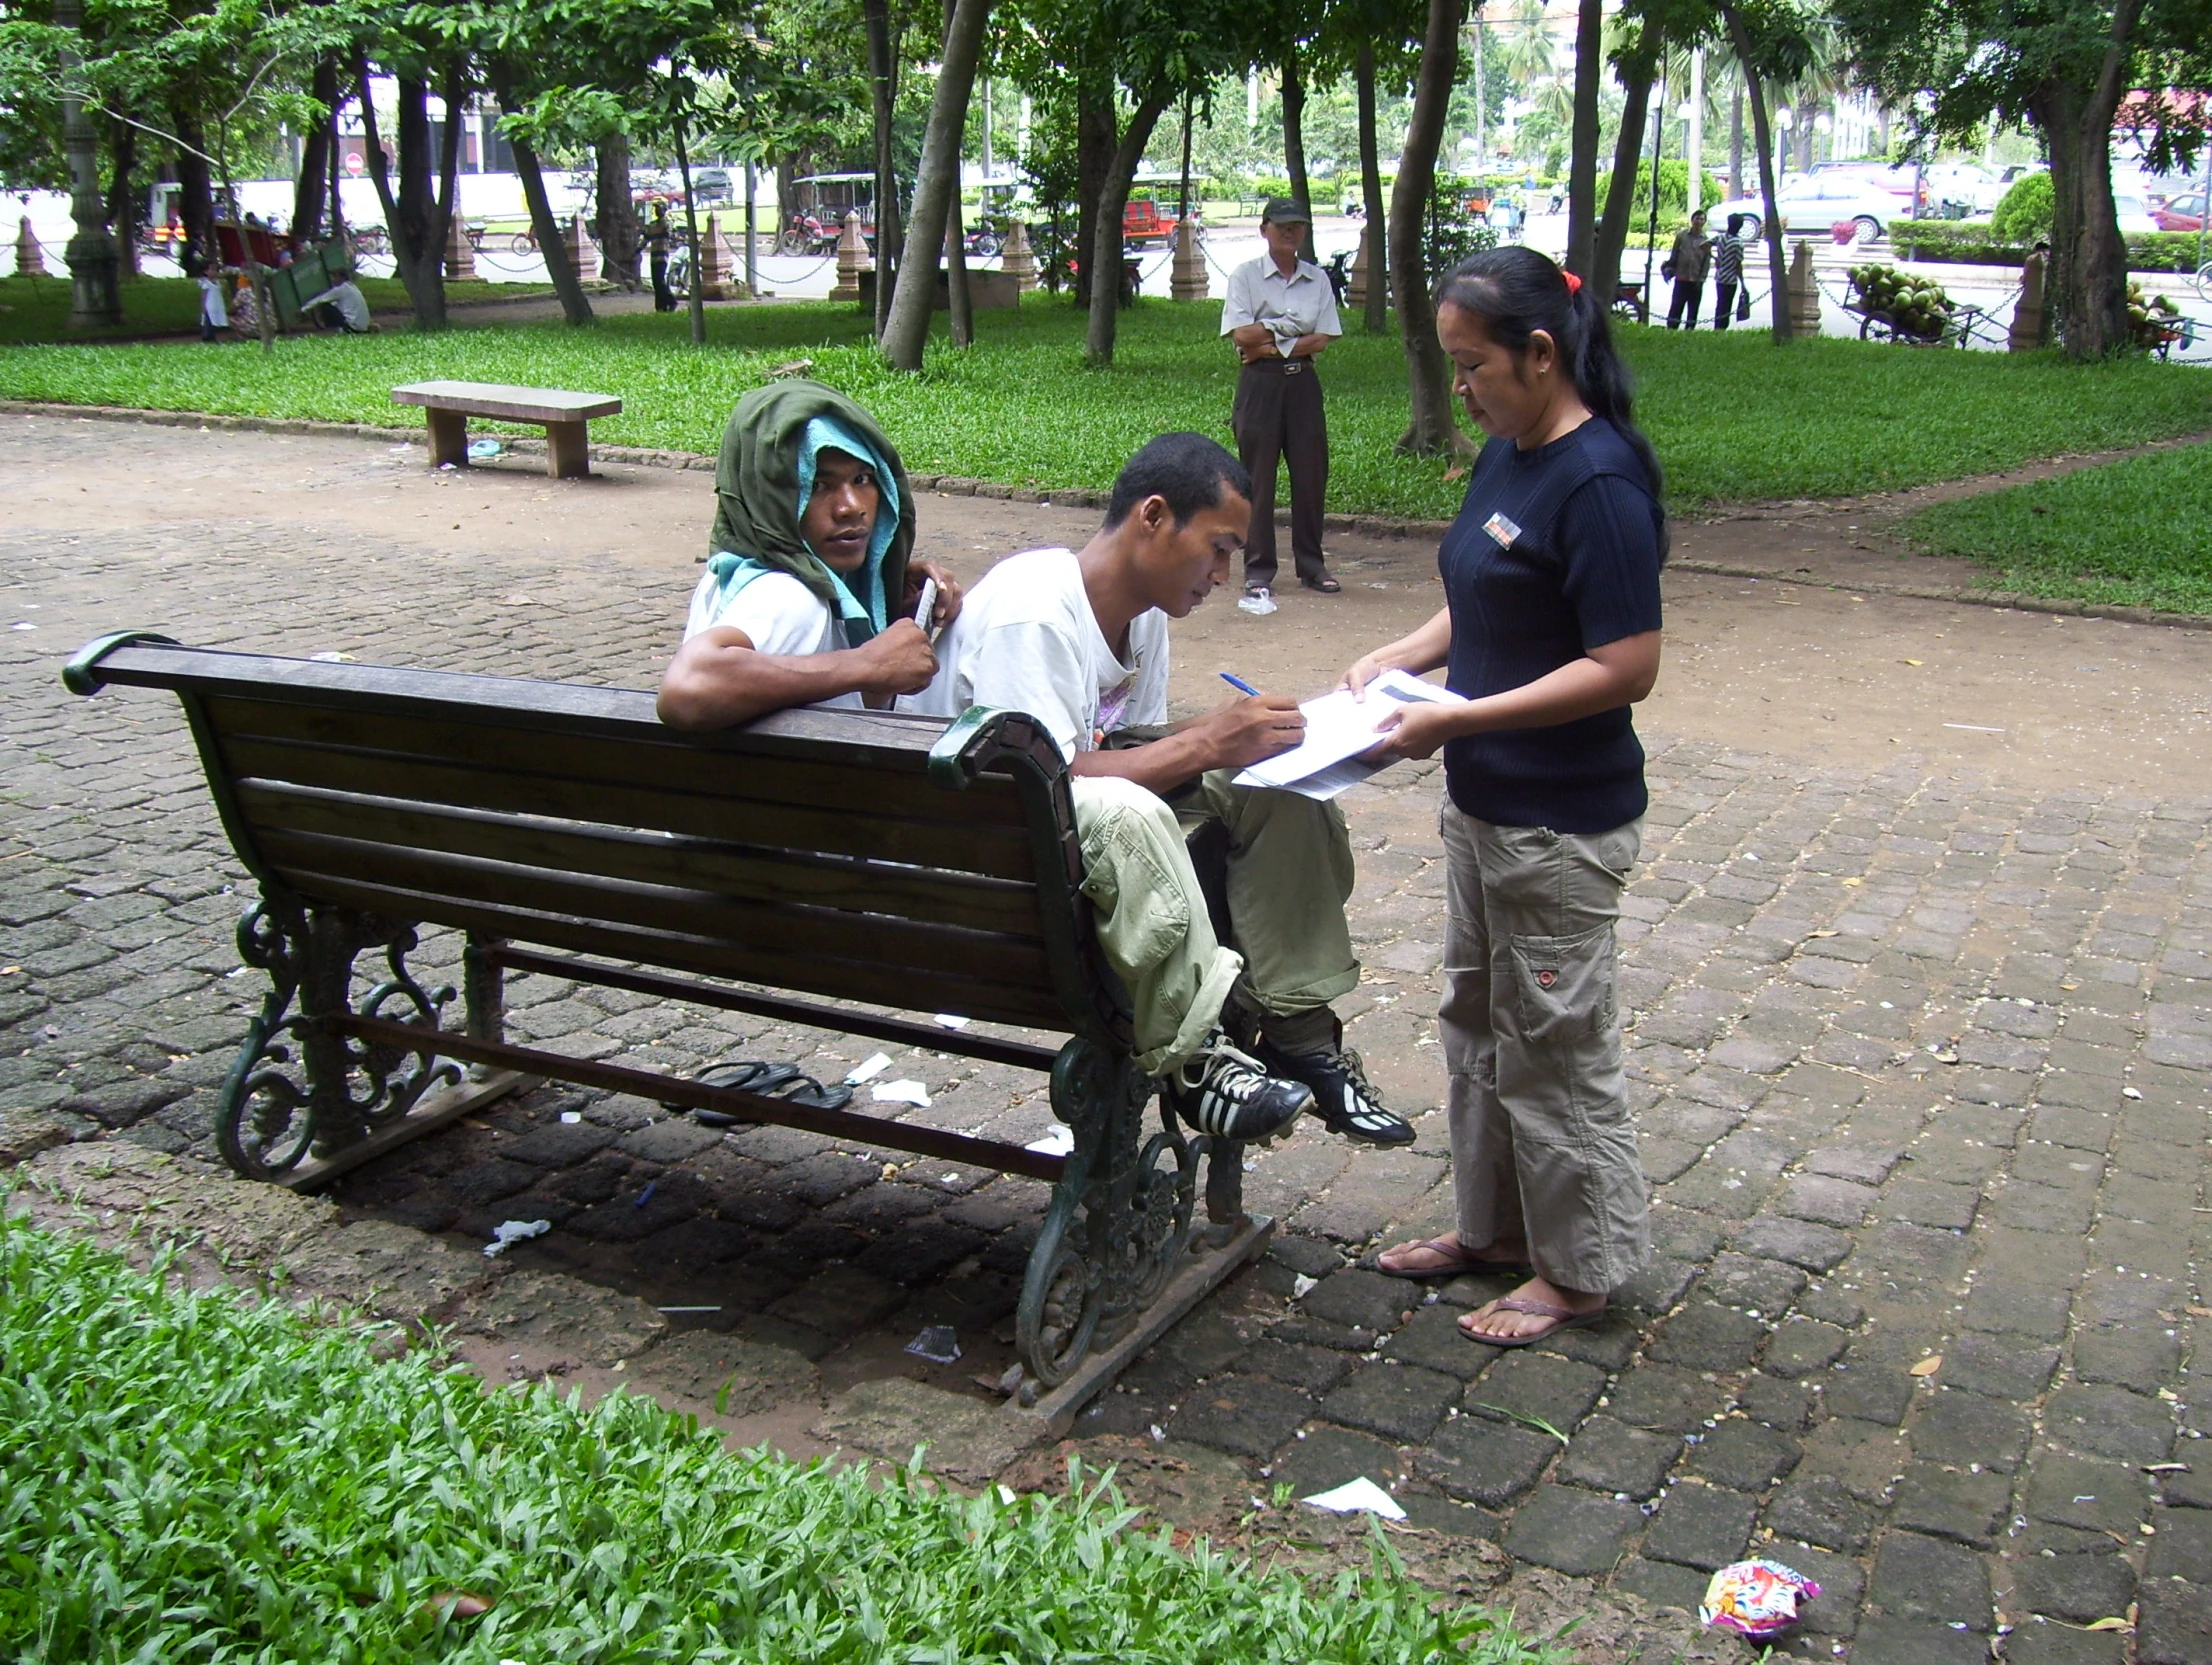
(1574, 284)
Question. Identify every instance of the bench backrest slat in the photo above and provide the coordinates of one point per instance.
(810, 851)
(759, 873)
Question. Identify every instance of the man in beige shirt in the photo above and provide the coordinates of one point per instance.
(1281, 315)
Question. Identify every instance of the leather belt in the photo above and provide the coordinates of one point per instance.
(1287, 366)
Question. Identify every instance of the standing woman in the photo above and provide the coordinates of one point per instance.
(1551, 631)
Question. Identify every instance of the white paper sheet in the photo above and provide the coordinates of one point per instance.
(1059, 1140)
(902, 1092)
(1355, 1495)
(1338, 729)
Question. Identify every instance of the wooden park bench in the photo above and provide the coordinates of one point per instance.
(888, 861)
(565, 417)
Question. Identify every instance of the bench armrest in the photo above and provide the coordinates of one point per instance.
(82, 674)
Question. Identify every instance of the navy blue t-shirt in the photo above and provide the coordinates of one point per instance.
(1556, 551)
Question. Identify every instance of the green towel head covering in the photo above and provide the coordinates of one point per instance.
(764, 478)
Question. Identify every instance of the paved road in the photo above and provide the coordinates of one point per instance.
(1921, 1074)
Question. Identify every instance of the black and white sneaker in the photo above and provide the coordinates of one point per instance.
(1226, 1093)
(1342, 1096)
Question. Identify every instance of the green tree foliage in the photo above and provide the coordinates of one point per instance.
(2066, 66)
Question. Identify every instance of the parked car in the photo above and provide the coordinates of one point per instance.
(2182, 213)
(1815, 202)
(1966, 183)
(710, 185)
(2135, 215)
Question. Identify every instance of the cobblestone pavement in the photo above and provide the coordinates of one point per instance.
(1920, 1066)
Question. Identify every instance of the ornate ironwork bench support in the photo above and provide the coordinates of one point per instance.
(305, 1101)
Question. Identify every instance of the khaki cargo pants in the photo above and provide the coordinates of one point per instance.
(1290, 872)
(1542, 1145)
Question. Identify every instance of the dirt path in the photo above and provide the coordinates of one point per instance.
(1830, 675)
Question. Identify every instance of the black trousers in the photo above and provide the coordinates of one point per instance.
(1278, 417)
(1682, 310)
(1724, 303)
(663, 300)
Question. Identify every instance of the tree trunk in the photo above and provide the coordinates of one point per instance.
(1294, 142)
(883, 71)
(695, 303)
(937, 189)
(1370, 183)
(2086, 295)
(961, 301)
(1582, 162)
(411, 218)
(195, 191)
(559, 270)
(1098, 341)
(1431, 430)
(1735, 137)
(122, 200)
(315, 157)
(1739, 39)
(1637, 73)
(1094, 164)
(615, 223)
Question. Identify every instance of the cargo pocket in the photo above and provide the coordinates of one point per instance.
(1565, 987)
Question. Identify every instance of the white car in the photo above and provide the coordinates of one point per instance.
(2135, 214)
(1813, 203)
(1964, 182)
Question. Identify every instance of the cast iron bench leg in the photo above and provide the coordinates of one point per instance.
(567, 450)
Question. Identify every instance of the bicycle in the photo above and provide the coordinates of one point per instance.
(2203, 281)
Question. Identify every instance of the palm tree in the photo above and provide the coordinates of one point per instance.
(1526, 55)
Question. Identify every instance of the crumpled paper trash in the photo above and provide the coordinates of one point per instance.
(1356, 1495)
(510, 1232)
(1757, 1598)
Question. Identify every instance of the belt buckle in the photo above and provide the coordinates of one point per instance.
(1293, 367)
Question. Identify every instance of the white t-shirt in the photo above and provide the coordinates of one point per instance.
(1027, 640)
(778, 614)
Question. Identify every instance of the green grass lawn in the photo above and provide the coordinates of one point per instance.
(37, 309)
(2134, 534)
(1733, 418)
(187, 1476)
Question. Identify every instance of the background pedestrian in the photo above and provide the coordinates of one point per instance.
(1281, 316)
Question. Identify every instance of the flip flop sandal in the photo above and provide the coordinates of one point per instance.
(748, 1074)
(1459, 1261)
(1562, 1319)
(804, 1089)
(1327, 584)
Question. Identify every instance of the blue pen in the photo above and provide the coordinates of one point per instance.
(1239, 683)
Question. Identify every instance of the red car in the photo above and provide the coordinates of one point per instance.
(2182, 213)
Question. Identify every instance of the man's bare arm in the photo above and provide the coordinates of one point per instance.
(718, 679)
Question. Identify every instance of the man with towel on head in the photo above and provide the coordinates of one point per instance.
(810, 588)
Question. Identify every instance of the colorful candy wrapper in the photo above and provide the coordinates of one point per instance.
(1758, 1598)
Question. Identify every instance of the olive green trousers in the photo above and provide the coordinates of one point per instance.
(1290, 873)
(1542, 1144)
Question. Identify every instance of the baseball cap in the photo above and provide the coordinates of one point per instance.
(1285, 211)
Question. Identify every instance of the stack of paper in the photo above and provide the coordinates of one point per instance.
(1338, 729)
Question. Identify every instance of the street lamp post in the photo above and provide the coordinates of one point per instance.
(95, 292)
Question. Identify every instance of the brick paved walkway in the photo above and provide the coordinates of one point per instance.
(1921, 1070)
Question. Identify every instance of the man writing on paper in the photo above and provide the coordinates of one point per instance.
(1079, 640)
